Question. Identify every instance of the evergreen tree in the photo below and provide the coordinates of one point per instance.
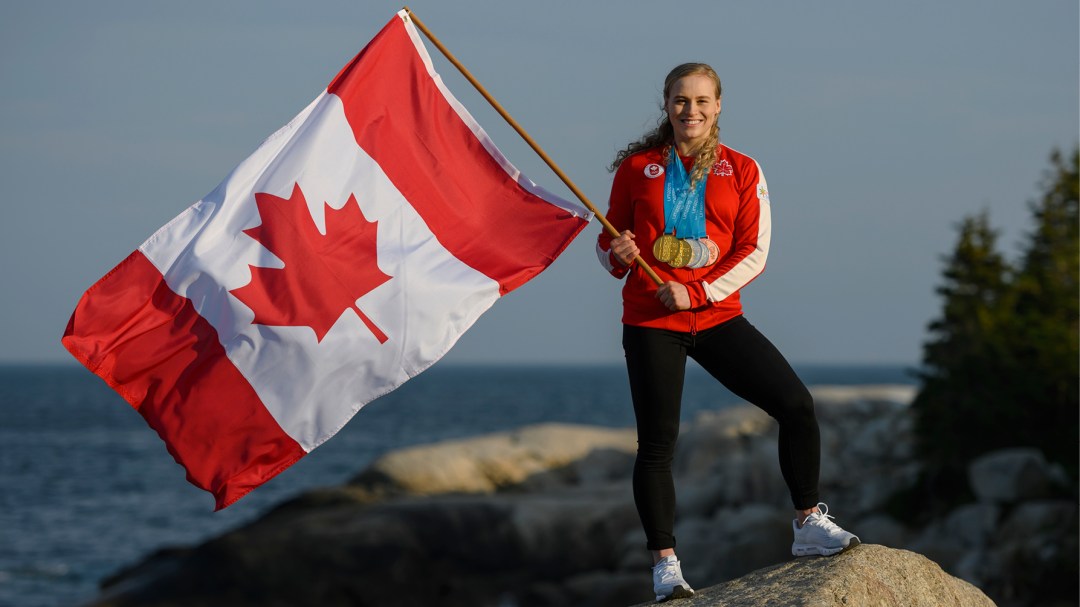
(1044, 326)
(1001, 366)
(962, 360)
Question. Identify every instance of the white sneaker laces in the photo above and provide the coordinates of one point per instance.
(823, 519)
(669, 572)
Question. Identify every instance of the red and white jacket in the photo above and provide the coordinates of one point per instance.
(737, 219)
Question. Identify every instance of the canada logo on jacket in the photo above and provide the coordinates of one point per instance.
(723, 169)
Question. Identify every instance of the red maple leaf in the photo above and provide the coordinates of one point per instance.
(323, 275)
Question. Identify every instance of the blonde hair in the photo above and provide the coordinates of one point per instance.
(664, 135)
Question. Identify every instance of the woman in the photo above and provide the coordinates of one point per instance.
(698, 213)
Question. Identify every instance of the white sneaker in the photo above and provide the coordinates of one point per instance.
(668, 582)
(821, 536)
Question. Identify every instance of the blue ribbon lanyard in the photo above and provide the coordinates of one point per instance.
(684, 207)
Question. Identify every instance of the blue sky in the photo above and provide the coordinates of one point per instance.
(878, 125)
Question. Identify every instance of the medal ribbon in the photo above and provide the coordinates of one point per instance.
(684, 207)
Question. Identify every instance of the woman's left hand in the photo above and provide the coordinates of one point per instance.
(674, 296)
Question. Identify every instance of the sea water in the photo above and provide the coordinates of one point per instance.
(87, 488)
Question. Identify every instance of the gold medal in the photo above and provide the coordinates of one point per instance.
(682, 256)
(665, 248)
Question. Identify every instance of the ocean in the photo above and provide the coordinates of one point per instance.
(86, 488)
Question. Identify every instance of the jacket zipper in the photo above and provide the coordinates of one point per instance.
(693, 314)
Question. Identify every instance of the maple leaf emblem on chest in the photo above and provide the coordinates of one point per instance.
(324, 275)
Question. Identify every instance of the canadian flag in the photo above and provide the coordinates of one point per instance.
(347, 254)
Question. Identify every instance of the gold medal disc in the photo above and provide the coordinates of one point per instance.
(665, 248)
(682, 256)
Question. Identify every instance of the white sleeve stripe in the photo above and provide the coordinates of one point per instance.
(605, 258)
(753, 264)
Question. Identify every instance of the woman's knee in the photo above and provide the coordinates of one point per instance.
(796, 405)
(656, 450)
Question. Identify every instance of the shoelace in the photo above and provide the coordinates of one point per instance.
(823, 519)
(669, 572)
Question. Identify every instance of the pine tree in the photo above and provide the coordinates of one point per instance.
(1044, 327)
(962, 360)
(1001, 366)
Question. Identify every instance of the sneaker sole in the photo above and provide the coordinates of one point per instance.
(814, 550)
(677, 592)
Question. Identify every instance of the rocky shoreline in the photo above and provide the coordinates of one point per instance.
(543, 515)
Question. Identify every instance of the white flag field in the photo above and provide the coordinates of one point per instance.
(346, 255)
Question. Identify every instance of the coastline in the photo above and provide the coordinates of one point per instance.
(90, 489)
(490, 520)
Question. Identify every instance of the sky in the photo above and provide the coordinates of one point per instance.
(879, 126)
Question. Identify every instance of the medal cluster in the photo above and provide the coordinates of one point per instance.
(685, 252)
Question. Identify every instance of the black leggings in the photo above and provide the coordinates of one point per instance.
(745, 362)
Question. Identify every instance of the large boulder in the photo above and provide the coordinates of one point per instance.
(1010, 475)
(728, 458)
(529, 458)
(749, 537)
(478, 550)
(530, 515)
(865, 576)
(866, 439)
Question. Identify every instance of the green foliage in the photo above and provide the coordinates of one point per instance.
(1001, 366)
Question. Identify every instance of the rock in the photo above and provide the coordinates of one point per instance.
(595, 588)
(958, 542)
(1032, 558)
(973, 524)
(866, 439)
(865, 489)
(976, 565)
(544, 516)
(1023, 554)
(862, 422)
(865, 576)
(734, 542)
(750, 474)
(1041, 517)
(479, 550)
(532, 457)
(728, 458)
(528, 513)
(1010, 475)
(717, 435)
(555, 525)
(937, 543)
(872, 395)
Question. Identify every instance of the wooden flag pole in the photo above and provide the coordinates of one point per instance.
(529, 140)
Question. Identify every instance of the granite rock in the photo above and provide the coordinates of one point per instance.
(865, 576)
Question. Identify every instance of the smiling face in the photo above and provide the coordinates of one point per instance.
(692, 106)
